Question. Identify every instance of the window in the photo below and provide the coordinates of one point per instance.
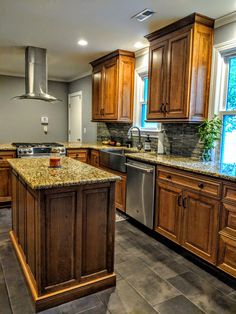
(141, 104)
(228, 110)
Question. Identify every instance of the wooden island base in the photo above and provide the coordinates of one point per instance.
(64, 239)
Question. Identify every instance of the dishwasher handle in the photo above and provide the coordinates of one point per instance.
(150, 170)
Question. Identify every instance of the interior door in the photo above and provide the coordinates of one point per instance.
(75, 117)
(178, 88)
(157, 80)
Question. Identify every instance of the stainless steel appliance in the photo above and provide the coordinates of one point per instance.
(140, 192)
(37, 150)
(114, 159)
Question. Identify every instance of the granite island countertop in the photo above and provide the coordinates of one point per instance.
(214, 169)
(36, 173)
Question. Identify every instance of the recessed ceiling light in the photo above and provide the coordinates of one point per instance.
(138, 44)
(82, 42)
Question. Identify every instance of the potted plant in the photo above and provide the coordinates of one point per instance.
(209, 132)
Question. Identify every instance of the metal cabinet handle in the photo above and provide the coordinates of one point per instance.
(139, 168)
(185, 202)
(201, 185)
(166, 107)
(179, 200)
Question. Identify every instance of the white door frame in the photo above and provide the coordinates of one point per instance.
(79, 93)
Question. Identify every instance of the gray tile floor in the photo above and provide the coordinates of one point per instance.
(151, 278)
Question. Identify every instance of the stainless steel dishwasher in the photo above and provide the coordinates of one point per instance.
(140, 192)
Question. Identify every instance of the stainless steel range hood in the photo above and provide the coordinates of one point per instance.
(36, 76)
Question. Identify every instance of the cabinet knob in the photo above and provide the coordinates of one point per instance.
(1, 157)
(162, 107)
(166, 107)
(201, 185)
(179, 200)
(184, 202)
(169, 177)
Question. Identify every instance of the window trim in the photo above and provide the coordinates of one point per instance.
(139, 73)
(218, 91)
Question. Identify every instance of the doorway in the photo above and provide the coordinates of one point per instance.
(75, 117)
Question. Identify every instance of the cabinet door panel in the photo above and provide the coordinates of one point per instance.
(201, 225)
(110, 90)
(178, 76)
(97, 93)
(121, 193)
(227, 255)
(157, 80)
(168, 211)
(94, 158)
(5, 187)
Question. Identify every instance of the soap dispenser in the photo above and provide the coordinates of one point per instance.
(147, 144)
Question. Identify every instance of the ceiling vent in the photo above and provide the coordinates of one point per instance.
(143, 15)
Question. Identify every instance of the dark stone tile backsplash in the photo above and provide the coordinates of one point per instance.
(179, 138)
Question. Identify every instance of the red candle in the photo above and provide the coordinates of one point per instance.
(55, 161)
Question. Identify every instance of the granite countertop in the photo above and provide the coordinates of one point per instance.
(97, 146)
(214, 169)
(7, 146)
(36, 173)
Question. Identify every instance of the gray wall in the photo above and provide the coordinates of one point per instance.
(85, 85)
(225, 33)
(20, 119)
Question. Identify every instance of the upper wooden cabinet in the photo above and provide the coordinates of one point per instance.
(179, 70)
(113, 87)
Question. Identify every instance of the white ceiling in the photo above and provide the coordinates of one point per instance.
(105, 24)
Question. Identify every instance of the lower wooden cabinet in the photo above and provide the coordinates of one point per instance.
(94, 158)
(188, 216)
(120, 194)
(78, 154)
(5, 181)
(227, 245)
(168, 214)
(200, 225)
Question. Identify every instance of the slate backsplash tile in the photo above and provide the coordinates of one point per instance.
(179, 138)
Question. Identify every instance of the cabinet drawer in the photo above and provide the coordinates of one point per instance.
(227, 255)
(4, 155)
(229, 193)
(190, 181)
(81, 155)
(228, 219)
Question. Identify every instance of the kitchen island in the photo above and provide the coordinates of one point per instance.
(63, 225)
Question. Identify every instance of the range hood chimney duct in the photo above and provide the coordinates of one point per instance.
(36, 76)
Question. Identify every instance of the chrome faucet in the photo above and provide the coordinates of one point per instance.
(139, 146)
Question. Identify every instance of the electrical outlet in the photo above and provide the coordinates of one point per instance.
(85, 130)
(44, 120)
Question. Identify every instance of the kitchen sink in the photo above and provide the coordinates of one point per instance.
(114, 158)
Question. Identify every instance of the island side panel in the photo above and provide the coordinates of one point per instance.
(77, 235)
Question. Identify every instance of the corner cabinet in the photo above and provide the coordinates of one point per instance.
(113, 87)
(179, 70)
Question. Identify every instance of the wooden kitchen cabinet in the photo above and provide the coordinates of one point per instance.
(179, 70)
(168, 215)
(120, 191)
(5, 181)
(200, 225)
(187, 211)
(113, 87)
(94, 158)
(78, 154)
(227, 245)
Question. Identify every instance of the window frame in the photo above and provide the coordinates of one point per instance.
(140, 74)
(218, 94)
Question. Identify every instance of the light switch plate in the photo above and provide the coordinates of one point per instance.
(44, 120)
